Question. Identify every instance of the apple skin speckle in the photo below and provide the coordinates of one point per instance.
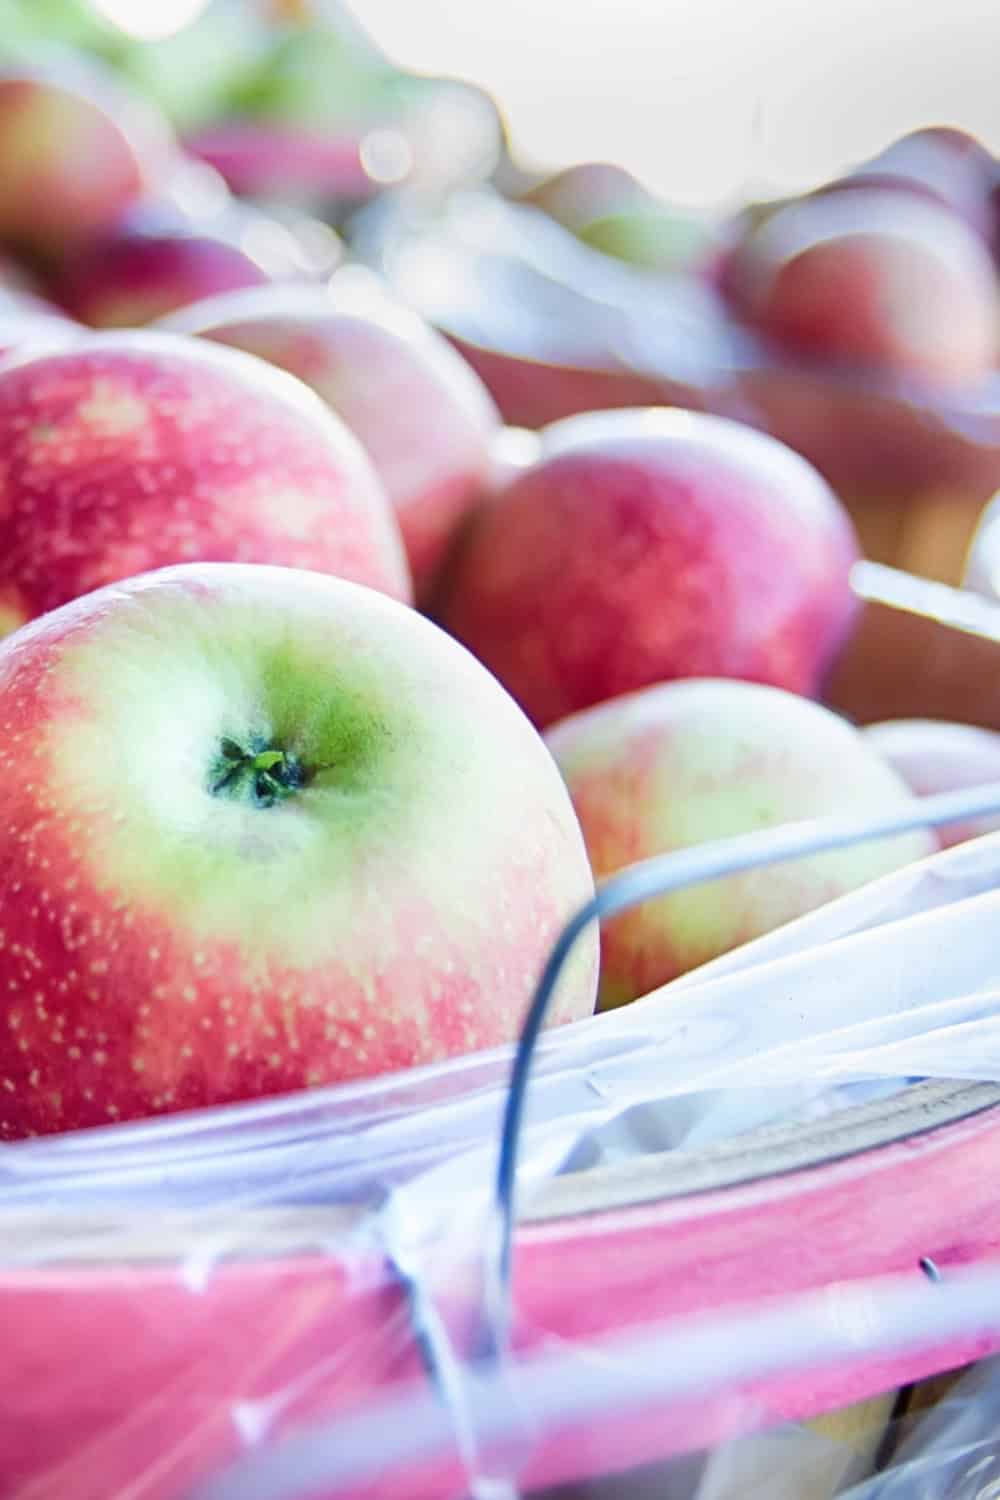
(150, 963)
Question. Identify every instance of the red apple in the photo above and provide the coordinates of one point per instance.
(263, 829)
(933, 755)
(128, 451)
(882, 281)
(421, 413)
(189, 241)
(126, 279)
(76, 148)
(265, 160)
(683, 763)
(653, 544)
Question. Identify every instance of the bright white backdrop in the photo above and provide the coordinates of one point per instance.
(704, 98)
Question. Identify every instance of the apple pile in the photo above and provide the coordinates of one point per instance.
(326, 696)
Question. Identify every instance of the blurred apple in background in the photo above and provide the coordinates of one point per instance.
(610, 210)
(652, 235)
(190, 240)
(646, 545)
(268, 161)
(578, 195)
(188, 56)
(131, 277)
(874, 281)
(421, 413)
(129, 451)
(932, 756)
(77, 148)
(684, 763)
(288, 830)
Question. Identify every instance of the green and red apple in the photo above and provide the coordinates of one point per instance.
(261, 830)
(681, 764)
(77, 148)
(129, 451)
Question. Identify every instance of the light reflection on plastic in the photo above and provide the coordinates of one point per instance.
(149, 20)
(269, 245)
(386, 156)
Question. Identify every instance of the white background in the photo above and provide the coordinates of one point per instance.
(705, 99)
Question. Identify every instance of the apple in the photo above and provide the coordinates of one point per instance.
(654, 236)
(933, 755)
(190, 240)
(264, 160)
(610, 210)
(191, 71)
(129, 278)
(423, 416)
(577, 195)
(263, 829)
(880, 281)
(682, 763)
(127, 451)
(652, 544)
(76, 148)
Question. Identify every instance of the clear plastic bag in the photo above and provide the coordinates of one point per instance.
(294, 1298)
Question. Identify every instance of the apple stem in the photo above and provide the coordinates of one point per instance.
(258, 774)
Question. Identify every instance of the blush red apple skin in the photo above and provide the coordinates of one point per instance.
(881, 280)
(130, 451)
(421, 413)
(650, 545)
(127, 280)
(684, 763)
(77, 148)
(267, 160)
(162, 948)
(934, 755)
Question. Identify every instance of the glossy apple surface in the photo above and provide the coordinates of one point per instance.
(648, 545)
(262, 829)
